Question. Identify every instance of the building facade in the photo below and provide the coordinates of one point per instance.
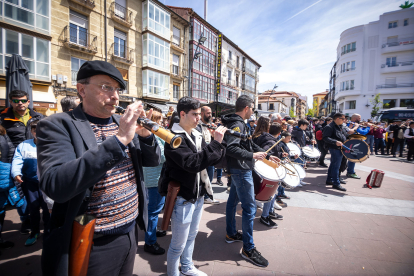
(283, 102)
(317, 101)
(376, 58)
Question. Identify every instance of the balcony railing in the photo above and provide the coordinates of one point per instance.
(399, 85)
(90, 4)
(231, 62)
(122, 53)
(249, 71)
(121, 14)
(396, 64)
(398, 43)
(348, 51)
(348, 69)
(80, 40)
(231, 82)
(247, 87)
(178, 72)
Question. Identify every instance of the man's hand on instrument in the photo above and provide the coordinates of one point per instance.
(259, 155)
(313, 142)
(219, 133)
(140, 130)
(296, 156)
(128, 123)
(285, 154)
(339, 144)
(274, 159)
(18, 178)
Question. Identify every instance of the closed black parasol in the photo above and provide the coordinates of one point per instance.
(17, 78)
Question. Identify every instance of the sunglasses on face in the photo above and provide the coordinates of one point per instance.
(16, 101)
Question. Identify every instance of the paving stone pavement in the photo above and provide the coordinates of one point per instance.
(324, 232)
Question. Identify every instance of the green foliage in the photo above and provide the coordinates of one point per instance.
(376, 102)
(310, 113)
(291, 112)
(407, 5)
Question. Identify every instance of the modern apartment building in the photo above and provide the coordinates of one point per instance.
(376, 58)
(25, 29)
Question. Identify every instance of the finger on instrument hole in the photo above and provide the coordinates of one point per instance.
(149, 114)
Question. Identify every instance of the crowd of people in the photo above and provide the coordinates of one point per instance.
(88, 162)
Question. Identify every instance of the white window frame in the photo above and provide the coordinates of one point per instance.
(121, 36)
(149, 59)
(152, 24)
(152, 90)
(73, 72)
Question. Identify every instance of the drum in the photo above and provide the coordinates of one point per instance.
(357, 136)
(265, 179)
(291, 180)
(294, 149)
(300, 170)
(311, 154)
(359, 150)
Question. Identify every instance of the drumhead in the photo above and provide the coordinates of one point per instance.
(294, 149)
(311, 152)
(360, 151)
(300, 170)
(268, 172)
(291, 180)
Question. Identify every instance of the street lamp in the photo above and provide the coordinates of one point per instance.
(201, 41)
(271, 93)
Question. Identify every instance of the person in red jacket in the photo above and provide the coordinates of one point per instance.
(379, 138)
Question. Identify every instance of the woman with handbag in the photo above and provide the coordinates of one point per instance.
(6, 182)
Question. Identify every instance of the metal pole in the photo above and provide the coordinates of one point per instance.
(191, 67)
(106, 34)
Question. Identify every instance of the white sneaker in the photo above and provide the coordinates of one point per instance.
(211, 201)
(303, 183)
(299, 185)
(259, 204)
(277, 206)
(194, 272)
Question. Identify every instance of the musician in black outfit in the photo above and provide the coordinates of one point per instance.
(398, 141)
(321, 143)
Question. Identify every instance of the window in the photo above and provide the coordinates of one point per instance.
(31, 14)
(203, 87)
(120, 8)
(156, 20)
(229, 75)
(227, 95)
(351, 47)
(351, 85)
(352, 105)
(405, 22)
(176, 92)
(199, 29)
(238, 62)
(249, 67)
(156, 52)
(407, 103)
(155, 84)
(352, 65)
(78, 28)
(120, 43)
(391, 61)
(205, 63)
(230, 56)
(347, 85)
(249, 83)
(259, 106)
(392, 24)
(175, 67)
(34, 51)
(389, 103)
(75, 64)
(237, 80)
(271, 106)
(176, 36)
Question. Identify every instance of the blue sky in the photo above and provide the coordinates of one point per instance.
(294, 41)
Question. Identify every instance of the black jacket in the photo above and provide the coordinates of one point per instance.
(281, 148)
(16, 130)
(183, 163)
(318, 127)
(301, 137)
(6, 149)
(70, 163)
(239, 153)
(333, 133)
(266, 141)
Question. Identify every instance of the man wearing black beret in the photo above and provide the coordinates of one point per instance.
(90, 162)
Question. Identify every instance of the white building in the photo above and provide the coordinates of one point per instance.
(376, 58)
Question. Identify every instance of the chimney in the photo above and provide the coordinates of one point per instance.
(205, 9)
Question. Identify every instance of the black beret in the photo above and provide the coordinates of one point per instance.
(99, 67)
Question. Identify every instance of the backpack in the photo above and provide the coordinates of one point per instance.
(319, 135)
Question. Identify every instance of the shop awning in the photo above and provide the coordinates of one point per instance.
(163, 108)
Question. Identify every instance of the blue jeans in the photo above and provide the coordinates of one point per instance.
(35, 201)
(370, 142)
(379, 144)
(268, 206)
(242, 190)
(185, 220)
(155, 204)
(280, 190)
(351, 167)
(333, 170)
(219, 173)
(23, 211)
(300, 161)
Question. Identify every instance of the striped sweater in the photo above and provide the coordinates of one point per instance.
(114, 200)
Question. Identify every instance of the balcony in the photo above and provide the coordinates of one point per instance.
(348, 70)
(247, 88)
(348, 51)
(155, 92)
(257, 77)
(177, 44)
(121, 14)
(122, 54)
(90, 4)
(395, 85)
(238, 67)
(398, 46)
(397, 67)
(79, 40)
(178, 72)
(231, 63)
(230, 83)
(249, 71)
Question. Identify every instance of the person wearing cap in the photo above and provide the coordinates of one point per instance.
(90, 161)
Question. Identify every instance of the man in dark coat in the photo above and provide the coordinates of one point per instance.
(90, 162)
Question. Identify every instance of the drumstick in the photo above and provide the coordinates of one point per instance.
(275, 165)
(283, 137)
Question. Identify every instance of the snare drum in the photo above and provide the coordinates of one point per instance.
(300, 170)
(294, 149)
(291, 180)
(311, 154)
(265, 179)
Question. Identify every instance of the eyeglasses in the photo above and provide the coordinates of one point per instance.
(252, 108)
(110, 89)
(16, 101)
